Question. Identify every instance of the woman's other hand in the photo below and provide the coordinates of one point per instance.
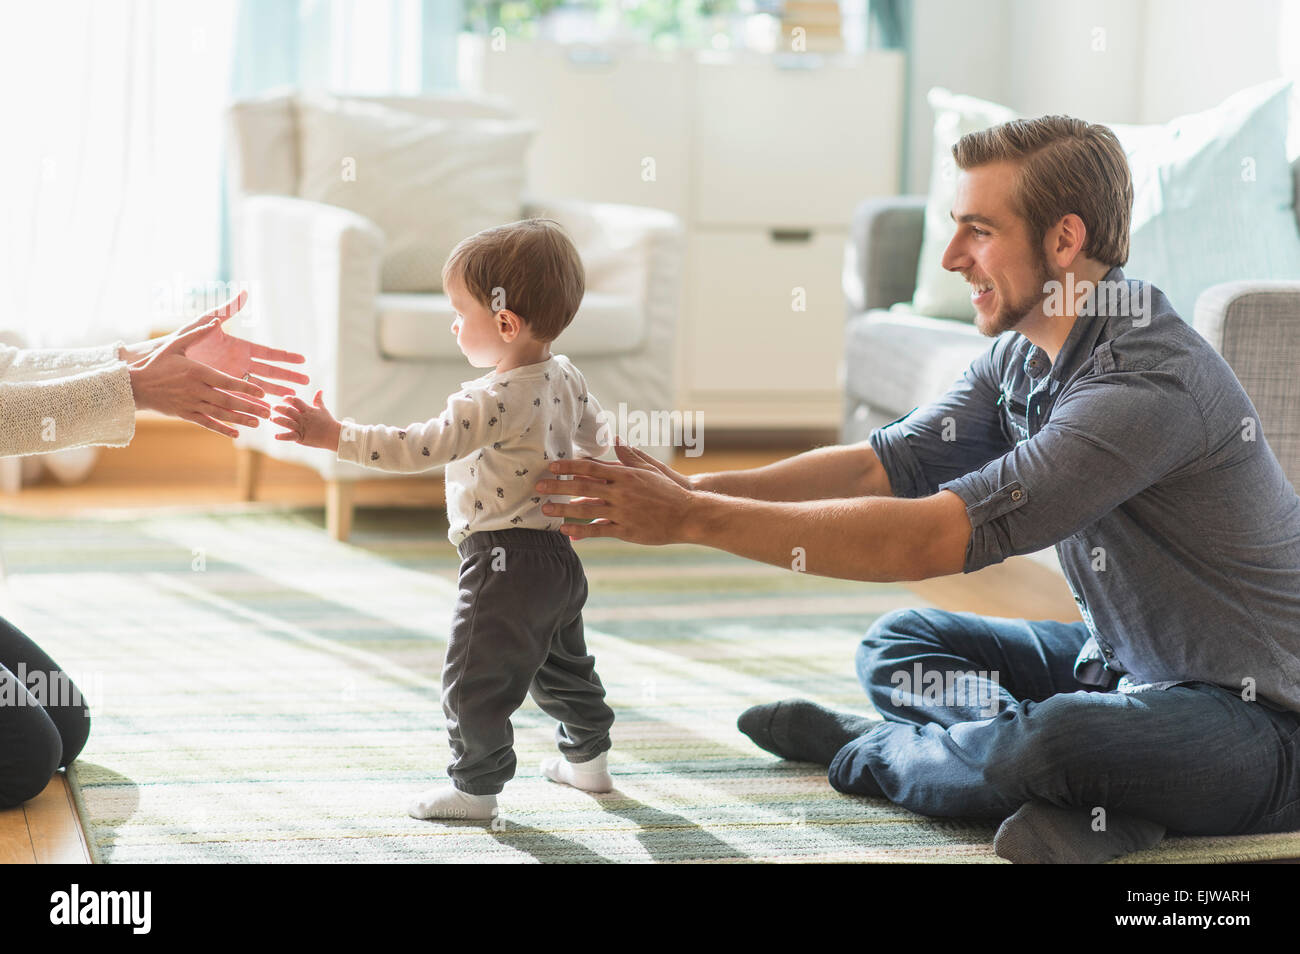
(227, 353)
(238, 357)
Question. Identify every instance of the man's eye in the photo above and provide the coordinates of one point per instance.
(978, 231)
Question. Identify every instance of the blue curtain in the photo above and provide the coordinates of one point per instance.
(891, 24)
(888, 23)
(297, 42)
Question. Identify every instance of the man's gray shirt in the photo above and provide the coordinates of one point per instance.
(1139, 455)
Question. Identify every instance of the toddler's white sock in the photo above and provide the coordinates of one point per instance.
(592, 776)
(451, 802)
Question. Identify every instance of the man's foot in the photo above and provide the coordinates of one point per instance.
(451, 802)
(590, 776)
(802, 731)
(1043, 834)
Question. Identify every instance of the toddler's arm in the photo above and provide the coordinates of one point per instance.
(472, 420)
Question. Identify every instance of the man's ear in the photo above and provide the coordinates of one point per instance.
(1065, 241)
(508, 324)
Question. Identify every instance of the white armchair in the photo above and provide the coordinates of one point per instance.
(314, 270)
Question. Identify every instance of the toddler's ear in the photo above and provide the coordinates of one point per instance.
(509, 324)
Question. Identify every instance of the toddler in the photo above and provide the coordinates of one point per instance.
(517, 626)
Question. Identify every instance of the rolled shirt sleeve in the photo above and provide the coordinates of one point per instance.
(949, 437)
(1110, 437)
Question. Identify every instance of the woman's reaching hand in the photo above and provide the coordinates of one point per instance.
(172, 383)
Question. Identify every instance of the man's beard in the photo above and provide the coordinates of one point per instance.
(1012, 313)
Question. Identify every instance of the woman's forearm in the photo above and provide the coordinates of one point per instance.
(851, 470)
(19, 365)
(94, 407)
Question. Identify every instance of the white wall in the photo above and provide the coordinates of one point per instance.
(1198, 56)
(960, 44)
(1199, 52)
(1078, 58)
(1137, 61)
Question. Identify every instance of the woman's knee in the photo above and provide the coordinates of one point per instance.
(74, 729)
(33, 750)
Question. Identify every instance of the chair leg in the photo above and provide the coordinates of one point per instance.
(338, 509)
(248, 467)
(11, 475)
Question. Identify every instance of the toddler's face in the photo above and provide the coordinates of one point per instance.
(475, 327)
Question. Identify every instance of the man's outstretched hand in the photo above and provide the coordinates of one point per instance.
(638, 499)
(237, 357)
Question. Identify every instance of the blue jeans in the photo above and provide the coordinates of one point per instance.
(1195, 757)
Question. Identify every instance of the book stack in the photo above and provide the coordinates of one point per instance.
(812, 26)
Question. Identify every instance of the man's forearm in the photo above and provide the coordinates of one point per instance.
(882, 539)
(826, 473)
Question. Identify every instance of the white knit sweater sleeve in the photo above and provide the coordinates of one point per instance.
(36, 364)
(48, 402)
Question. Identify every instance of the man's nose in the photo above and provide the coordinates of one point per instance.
(955, 257)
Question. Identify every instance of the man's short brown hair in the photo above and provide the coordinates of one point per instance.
(1066, 165)
(529, 267)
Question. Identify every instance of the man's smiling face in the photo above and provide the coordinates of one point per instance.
(993, 250)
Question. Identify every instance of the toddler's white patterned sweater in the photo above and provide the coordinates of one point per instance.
(497, 438)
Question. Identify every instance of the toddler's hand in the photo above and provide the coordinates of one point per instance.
(311, 425)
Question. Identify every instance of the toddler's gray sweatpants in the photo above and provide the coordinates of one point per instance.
(517, 630)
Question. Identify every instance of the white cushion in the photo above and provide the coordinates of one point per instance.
(940, 292)
(904, 361)
(418, 327)
(427, 183)
(263, 152)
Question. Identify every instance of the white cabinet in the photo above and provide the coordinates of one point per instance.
(599, 117)
(767, 314)
(784, 146)
(764, 159)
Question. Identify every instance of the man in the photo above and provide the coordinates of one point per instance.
(1101, 423)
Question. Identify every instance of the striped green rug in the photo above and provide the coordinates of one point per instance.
(262, 694)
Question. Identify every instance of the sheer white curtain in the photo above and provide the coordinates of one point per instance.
(110, 169)
(112, 159)
(347, 46)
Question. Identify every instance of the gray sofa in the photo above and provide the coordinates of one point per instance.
(897, 361)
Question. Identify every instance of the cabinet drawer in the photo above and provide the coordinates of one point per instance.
(742, 332)
(797, 147)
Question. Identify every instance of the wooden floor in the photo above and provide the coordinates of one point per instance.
(44, 831)
(171, 463)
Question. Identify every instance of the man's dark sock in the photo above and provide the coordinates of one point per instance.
(802, 731)
(1043, 834)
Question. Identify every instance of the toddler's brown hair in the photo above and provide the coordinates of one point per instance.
(530, 267)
